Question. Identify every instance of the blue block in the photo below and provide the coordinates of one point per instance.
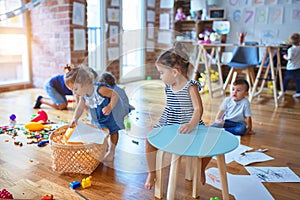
(75, 184)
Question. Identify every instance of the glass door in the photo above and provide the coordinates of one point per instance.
(132, 40)
(96, 33)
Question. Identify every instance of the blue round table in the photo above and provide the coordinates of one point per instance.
(203, 141)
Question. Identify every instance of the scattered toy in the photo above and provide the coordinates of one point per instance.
(4, 194)
(86, 182)
(36, 126)
(18, 143)
(47, 197)
(42, 143)
(75, 184)
(41, 117)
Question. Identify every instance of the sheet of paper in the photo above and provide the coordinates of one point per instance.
(229, 157)
(85, 133)
(252, 157)
(164, 37)
(237, 184)
(164, 21)
(273, 174)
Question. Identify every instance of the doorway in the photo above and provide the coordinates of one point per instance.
(132, 40)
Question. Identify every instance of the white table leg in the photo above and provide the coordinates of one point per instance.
(173, 177)
(158, 188)
(197, 166)
(223, 176)
(188, 168)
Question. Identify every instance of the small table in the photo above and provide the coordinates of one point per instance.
(203, 141)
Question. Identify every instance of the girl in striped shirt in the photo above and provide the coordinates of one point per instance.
(184, 104)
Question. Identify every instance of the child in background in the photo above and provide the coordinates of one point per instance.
(183, 106)
(293, 64)
(235, 114)
(57, 91)
(101, 100)
(110, 79)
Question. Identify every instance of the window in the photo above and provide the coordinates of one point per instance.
(14, 45)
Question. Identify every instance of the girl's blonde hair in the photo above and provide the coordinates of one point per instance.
(176, 57)
(295, 39)
(80, 75)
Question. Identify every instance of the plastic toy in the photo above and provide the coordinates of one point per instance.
(41, 117)
(214, 198)
(86, 182)
(67, 135)
(4, 194)
(75, 184)
(180, 14)
(42, 143)
(127, 125)
(36, 126)
(47, 197)
(12, 119)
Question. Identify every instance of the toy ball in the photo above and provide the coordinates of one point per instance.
(12, 117)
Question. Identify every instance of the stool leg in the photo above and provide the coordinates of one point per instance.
(173, 177)
(223, 176)
(197, 166)
(188, 168)
(158, 189)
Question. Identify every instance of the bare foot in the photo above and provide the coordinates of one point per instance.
(150, 181)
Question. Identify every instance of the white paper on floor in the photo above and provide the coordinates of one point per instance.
(85, 133)
(242, 187)
(252, 157)
(229, 157)
(273, 174)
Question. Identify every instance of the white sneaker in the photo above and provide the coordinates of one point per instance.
(296, 95)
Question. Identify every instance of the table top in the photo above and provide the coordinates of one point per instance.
(203, 141)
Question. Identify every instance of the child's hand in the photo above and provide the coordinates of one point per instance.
(106, 110)
(186, 128)
(73, 123)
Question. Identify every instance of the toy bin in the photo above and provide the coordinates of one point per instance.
(75, 158)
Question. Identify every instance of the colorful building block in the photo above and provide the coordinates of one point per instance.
(86, 182)
(75, 184)
(4, 194)
(47, 197)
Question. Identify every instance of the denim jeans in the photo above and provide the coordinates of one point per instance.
(236, 128)
(294, 75)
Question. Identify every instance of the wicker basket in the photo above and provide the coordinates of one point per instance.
(75, 158)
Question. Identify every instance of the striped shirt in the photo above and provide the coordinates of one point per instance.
(179, 108)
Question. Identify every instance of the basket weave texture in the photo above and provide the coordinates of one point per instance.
(75, 158)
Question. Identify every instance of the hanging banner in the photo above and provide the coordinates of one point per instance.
(24, 8)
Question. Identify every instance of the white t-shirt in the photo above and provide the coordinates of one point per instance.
(294, 56)
(236, 111)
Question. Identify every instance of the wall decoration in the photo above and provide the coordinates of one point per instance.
(150, 30)
(164, 21)
(275, 15)
(261, 15)
(113, 15)
(113, 53)
(115, 3)
(296, 14)
(151, 3)
(78, 14)
(79, 40)
(150, 16)
(113, 34)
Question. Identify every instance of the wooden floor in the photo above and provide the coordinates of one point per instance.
(26, 171)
